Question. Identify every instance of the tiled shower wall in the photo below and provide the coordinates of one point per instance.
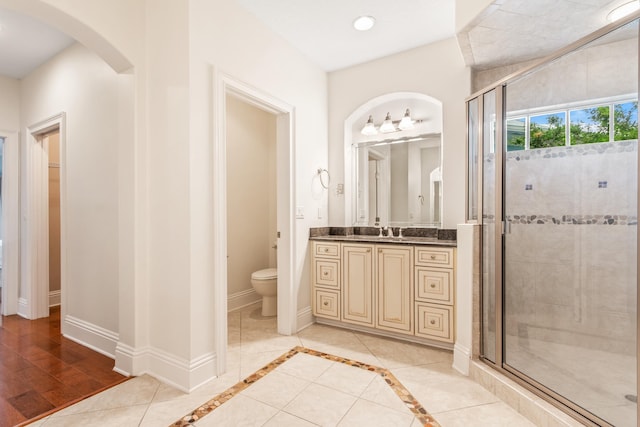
(570, 263)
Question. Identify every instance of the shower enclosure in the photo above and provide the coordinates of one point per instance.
(553, 161)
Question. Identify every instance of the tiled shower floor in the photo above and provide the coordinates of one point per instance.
(306, 390)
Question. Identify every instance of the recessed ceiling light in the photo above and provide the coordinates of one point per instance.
(623, 10)
(364, 23)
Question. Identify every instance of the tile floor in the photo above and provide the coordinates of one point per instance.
(306, 390)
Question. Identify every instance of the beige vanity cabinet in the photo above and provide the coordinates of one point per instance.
(358, 284)
(326, 279)
(434, 293)
(395, 289)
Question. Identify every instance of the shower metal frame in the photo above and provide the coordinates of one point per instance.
(525, 381)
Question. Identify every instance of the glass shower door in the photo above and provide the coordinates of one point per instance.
(570, 242)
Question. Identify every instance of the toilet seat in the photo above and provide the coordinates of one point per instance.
(266, 274)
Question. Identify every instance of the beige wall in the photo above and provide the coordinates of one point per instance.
(80, 84)
(251, 192)
(436, 70)
(9, 104)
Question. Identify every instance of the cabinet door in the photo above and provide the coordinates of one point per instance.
(435, 322)
(436, 257)
(326, 273)
(326, 304)
(357, 284)
(395, 289)
(434, 285)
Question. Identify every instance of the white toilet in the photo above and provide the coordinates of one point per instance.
(265, 283)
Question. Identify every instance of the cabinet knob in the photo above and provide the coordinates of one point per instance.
(433, 257)
(433, 322)
(326, 249)
(433, 285)
(326, 273)
(368, 250)
(379, 250)
(326, 303)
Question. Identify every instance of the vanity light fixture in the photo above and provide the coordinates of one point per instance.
(406, 122)
(623, 10)
(387, 126)
(369, 128)
(364, 23)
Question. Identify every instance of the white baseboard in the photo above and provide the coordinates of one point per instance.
(461, 359)
(242, 299)
(178, 372)
(54, 298)
(305, 318)
(89, 335)
(22, 308)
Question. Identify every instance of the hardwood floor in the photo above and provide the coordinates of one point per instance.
(40, 370)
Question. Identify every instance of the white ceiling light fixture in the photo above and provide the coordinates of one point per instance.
(387, 126)
(364, 23)
(623, 10)
(369, 128)
(406, 122)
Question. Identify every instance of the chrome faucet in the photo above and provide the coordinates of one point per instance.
(380, 235)
(389, 232)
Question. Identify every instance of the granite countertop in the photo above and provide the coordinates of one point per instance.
(411, 236)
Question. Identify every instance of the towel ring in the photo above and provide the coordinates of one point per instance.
(322, 171)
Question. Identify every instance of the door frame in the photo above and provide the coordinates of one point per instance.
(35, 303)
(10, 221)
(285, 144)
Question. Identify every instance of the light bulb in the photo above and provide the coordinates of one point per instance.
(369, 128)
(406, 122)
(387, 126)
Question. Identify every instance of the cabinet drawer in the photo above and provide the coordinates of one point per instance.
(434, 285)
(437, 257)
(326, 249)
(327, 304)
(434, 322)
(327, 273)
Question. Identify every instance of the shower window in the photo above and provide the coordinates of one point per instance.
(547, 130)
(625, 124)
(588, 124)
(517, 134)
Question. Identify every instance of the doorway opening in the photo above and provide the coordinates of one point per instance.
(44, 254)
(283, 235)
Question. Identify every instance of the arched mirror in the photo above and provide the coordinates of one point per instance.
(393, 162)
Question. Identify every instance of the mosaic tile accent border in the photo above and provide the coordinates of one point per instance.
(574, 150)
(411, 403)
(568, 219)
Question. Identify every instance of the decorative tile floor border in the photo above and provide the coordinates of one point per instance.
(410, 402)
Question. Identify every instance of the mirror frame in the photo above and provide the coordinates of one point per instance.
(350, 173)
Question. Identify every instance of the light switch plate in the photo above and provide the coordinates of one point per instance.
(299, 212)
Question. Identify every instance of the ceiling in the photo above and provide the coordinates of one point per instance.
(25, 44)
(509, 31)
(521, 30)
(323, 30)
